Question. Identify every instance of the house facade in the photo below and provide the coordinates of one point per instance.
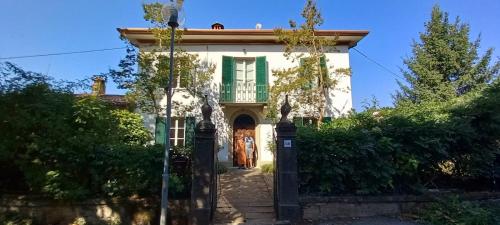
(244, 60)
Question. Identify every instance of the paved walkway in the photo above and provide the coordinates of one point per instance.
(244, 197)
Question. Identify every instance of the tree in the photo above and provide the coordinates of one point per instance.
(309, 82)
(147, 84)
(445, 64)
(51, 140)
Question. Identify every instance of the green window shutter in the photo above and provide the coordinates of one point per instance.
(160, 131)
(227, 78)
(298, 121)
(261, 79)
(308, 85)
(327, 119)
(324, 68)
(190, 124)
(184, 79)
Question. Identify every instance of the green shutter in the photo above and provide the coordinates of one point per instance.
(298, 121)
(227, 78)
(184, 79)
(324, 68)
(160, 131)
(327, 119)
(309, 84)
(190, 124)
(261, 79)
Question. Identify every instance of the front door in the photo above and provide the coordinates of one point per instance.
(244, 126)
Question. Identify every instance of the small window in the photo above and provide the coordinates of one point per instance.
(177, 131)
(181, 76)
(312, 82)
(180, 81)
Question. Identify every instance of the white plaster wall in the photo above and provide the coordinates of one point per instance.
(339, 102)
(265, 134)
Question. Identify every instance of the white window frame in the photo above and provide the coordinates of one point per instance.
(245, 91)
(174, 129)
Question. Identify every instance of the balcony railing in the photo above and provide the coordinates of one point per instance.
(244, 92)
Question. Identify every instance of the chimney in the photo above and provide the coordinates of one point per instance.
(99, 86)
(258, 26)
(217, 26)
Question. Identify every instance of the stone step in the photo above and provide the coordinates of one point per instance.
(259, 215)
(248, 222)
(245, 198)
(266, 203)
(263, 209)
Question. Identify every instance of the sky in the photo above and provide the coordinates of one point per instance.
(31, 27)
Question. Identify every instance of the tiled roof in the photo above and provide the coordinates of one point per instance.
(118, 101)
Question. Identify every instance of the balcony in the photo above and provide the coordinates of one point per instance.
(244, 92)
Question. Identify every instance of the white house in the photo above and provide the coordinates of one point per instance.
(244, 60)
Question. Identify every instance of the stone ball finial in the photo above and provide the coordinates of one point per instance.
(285, 110)
(206, 110)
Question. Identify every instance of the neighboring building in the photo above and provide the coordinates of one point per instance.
(99, 90)
(244, 60)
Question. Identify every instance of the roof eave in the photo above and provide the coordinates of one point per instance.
(143, 37)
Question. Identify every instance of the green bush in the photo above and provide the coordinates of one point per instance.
(267, 168)
(10, 218)
(453, 211)
(67, 147)
(221, 168)
(405, 149)
(131, 126)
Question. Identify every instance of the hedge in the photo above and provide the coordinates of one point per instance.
(408, 149)
(61, 146)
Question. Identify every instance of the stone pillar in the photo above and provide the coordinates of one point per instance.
(203, 188)
(287, 191)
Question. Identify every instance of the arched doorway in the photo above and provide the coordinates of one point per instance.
(244, 125)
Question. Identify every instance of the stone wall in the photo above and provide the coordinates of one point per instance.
(316, 208)
(133, 211)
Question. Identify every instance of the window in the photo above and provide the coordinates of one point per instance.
(181, 131)
(244, 79)
(180, 81)
(309, 68)
(181, 75)
(177, 131)
(309, 121)
(245, 70)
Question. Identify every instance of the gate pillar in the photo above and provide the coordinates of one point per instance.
(204, 186)
(286, 179)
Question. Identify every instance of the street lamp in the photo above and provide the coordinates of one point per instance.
(170, 14)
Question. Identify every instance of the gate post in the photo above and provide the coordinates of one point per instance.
(203, 188)
(287, 191)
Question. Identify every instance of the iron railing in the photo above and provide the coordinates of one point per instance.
(243, 92)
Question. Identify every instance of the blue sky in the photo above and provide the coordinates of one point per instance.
(38, 27)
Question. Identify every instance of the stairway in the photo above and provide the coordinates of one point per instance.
(244, 197)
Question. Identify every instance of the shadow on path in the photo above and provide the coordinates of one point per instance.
(244, 197)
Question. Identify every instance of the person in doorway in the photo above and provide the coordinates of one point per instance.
(240, 151)
(249, 149)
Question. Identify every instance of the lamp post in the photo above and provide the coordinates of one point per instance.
(170, 14)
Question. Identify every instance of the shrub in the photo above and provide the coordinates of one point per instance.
(453, 211)
(10, 218)
(68, 147)
(267, 168)
(131, 127)
(221, 168)
(405, 149)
